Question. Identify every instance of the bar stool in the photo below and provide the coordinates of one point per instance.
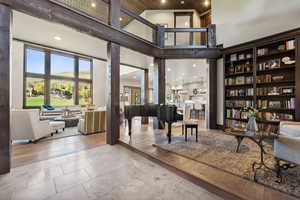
(190, 125)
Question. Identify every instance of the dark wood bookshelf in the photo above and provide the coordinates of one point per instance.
(264, 69)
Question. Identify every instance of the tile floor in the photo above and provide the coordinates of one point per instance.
(106, 172)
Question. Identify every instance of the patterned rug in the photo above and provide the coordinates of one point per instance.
(218, 150)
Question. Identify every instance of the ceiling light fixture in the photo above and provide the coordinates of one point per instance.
(93, 5)
(121, 18)
(182, 2)
(57, 38)
(163, 1)
(169, 69)
(206, 3)
(194, 65)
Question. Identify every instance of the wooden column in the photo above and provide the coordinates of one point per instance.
(159, 85)
(212, 95)
(113, 78)
(297, 79)
(5, 46)
(145, 91)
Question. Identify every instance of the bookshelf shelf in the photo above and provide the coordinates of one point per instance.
(270, 75)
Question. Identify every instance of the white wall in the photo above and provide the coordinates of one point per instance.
(239, 21)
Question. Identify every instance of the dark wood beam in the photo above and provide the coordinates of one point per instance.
(145, 91)
(81, 21)
(212, 94)
(159, 85)
(297, 78)
(113, 78)
(193, 53)
(5, 46)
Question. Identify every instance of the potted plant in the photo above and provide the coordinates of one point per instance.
(250, 112)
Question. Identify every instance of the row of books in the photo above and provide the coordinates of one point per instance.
(274, 117)
(239, 80)
(289, 45)
(283, 104)
(238, 103)
(243, 68)
(239, 92)
(274, 91)
(236, 114)
(242, 56)
(268, 78)
(270, 64)
(261, 126)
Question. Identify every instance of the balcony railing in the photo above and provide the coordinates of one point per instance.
(146, 31)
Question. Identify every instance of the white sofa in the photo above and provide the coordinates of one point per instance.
(26, 125)
(287, 146)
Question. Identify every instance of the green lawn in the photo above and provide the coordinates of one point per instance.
(38, 101)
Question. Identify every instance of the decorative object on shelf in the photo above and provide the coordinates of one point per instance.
(290, 44)
(195, 91)
(281, 47)
(233, 57)
(287, 60)
(250, 112)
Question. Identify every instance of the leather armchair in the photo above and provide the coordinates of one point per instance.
(287, 146)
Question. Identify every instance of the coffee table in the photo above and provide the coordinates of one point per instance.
(69, 121)
(257, 137)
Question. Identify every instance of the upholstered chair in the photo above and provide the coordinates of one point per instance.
(26, 125)
(287, 146)
(92, 122)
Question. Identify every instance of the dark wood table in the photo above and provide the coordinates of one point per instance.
(257, 137)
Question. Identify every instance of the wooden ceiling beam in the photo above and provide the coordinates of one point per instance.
(80, 21)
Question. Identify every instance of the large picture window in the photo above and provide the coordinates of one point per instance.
(56, 79)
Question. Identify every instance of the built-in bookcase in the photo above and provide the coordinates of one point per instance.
(262, 74)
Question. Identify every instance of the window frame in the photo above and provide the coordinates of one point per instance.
(48, 77)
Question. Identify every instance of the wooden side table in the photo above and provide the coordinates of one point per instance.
(192, 126)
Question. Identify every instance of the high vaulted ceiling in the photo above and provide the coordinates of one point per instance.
(138, 6)
(99, 8)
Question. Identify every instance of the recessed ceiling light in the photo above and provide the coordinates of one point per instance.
(163, 1)
(186, 24)
(93, 5)
(169, 69)
(57, 38)
(182, 2)
(206, 3)
(121, 18)
(194, 65)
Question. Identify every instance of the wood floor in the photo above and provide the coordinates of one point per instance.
(23, 154)
(217, 181)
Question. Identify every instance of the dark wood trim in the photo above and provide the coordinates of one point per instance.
(212, 100)
(297, 79)
(159, 86)
(183, 53)
(76, 86)
(145, 92)
(5, 63)
(113, 79)
(186, 30)
(74, 18)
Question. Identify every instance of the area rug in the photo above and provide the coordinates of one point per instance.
(218, 150)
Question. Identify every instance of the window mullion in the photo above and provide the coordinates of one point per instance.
(47, 77)
(76, 80)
